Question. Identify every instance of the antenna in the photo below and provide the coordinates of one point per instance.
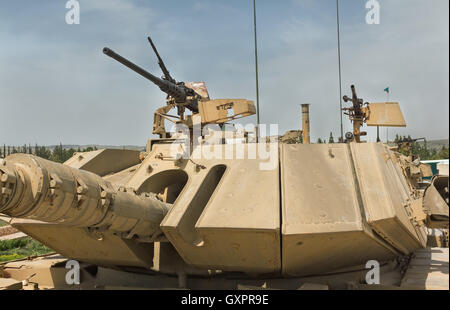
(340, 74)
(256, 71)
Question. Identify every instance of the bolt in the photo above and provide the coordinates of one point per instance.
(81, 190)
(4, 178)
(53, 184)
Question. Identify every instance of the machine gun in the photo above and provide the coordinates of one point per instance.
(382, 114)
(357, 103)
(357, 113)
(193, 96)
(177, 93)
(409, 140)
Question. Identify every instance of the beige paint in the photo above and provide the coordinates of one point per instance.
(323, 208)
(223, 110)
(387, 196)
(322, 217)
(238, 228)
(386, 114)
(305, 124)
(104, 162)
(443, 169)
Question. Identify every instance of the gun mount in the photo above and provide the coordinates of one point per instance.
(385, 114)
(357, 113)
(193, 96)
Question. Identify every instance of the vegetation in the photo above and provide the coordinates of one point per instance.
(3, 223)
(416, 148)
(421, 150)
(21, 248)
(58, 154)
(331, 140)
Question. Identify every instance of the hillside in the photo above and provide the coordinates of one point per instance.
(436, 144)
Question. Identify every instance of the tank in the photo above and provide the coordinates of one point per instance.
(196, 211)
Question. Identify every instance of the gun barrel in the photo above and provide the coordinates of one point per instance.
(38, 189)
(355, 97)
(173, 90)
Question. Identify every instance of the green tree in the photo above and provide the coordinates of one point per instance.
(41, 151)
(331, 140)
(422, 151)
(57, 154)
(68, 153)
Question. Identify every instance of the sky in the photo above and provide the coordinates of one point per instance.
(57, 86)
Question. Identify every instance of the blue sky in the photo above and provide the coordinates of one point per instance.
(57, 86)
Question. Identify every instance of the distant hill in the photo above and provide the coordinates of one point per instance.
(436, 144)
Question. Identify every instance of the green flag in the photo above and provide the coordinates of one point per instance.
(387, 90)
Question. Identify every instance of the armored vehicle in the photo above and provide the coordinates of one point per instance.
(209, 207)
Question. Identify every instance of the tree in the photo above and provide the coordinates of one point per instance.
(41, 151)
(57, 154)
(69, 153)
(421, 150)
(331, 140)
(319, 141)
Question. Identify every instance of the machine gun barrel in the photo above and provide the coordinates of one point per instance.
(179, 93)
(354, 96)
